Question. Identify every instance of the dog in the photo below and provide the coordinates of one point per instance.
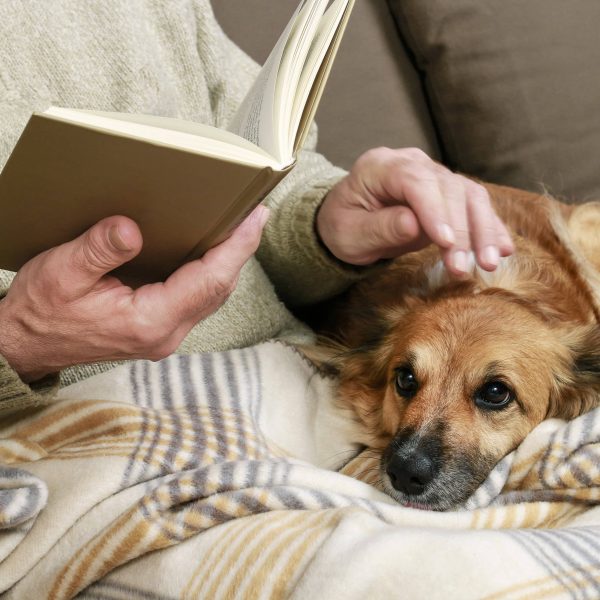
(446, 376)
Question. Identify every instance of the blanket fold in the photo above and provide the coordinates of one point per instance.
(236, 475)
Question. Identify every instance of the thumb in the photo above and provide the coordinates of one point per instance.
(105, 246)
(390, 231)
(206, 282)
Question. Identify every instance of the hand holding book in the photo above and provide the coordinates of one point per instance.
(64, 308)
(186, 185)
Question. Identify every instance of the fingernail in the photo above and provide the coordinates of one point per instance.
(459, 261)
(264, 215)
(114, 236)
(446, 234)
(491, 255)
(259, 215)
(508, 247)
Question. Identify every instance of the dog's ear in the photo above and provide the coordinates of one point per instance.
(338, 358)
(578, 390)
(584, 229)
(324, 356)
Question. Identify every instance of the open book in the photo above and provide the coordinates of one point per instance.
(187, 185)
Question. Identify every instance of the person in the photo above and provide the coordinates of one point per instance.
(64, 313)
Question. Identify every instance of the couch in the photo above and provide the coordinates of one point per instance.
(505, 91)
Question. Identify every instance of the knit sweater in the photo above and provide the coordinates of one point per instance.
(170, 59)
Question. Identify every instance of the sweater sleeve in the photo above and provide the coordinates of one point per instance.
(299, 265)
(17, 395)
(301, 268)
(14, 114)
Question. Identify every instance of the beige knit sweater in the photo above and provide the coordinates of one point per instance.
(166, 58)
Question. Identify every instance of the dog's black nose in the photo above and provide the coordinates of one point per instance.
(411, 474)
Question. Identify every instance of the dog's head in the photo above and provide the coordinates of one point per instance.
(447, 384)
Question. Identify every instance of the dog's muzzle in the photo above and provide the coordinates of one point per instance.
(413, 461)
(411, 474)
(425, 473)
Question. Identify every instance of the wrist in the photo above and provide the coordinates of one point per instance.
(15, 348)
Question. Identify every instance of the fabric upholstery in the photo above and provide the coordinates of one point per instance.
(513, 87)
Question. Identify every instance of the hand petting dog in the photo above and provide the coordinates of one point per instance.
(398, 201)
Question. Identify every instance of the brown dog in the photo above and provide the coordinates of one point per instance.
(447, 376)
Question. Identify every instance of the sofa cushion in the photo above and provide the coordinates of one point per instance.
(514, 87)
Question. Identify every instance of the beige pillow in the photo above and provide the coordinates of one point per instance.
(514, 87)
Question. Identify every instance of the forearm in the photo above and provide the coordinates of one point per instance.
(15, 394)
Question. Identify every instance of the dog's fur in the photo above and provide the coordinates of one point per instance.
(532, 325)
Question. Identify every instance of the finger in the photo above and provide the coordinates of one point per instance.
(199, 287)
(418, 186)
(505, 242)
(389, 232)
(454, 192)
(79, 265)
(483, 224)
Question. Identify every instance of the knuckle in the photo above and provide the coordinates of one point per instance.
(145, 337)
(221, 284)
(95, 251)
(452, 182)
(418, 173)
(58, 288)
(384, 233)
(375, 155)
(478, 194)
(167, 345)
(47, 272)
(393, 232)
(414, 154)
(156, 354)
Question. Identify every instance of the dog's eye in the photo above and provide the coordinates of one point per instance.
(493, 395)
(406, 382)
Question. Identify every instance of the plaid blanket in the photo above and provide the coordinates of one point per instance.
(235, 475)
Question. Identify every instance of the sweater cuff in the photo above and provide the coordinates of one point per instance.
(15, 394)
(312, 272)
(303, 229)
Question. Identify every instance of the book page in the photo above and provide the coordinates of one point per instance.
(257, 118)
(292, 65)
(307, 111)
(321, 43)
(193, 137)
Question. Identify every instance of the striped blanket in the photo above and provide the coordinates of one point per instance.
(234, 475)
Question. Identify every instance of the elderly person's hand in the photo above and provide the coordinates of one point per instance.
(64, 309)
(398, 201)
